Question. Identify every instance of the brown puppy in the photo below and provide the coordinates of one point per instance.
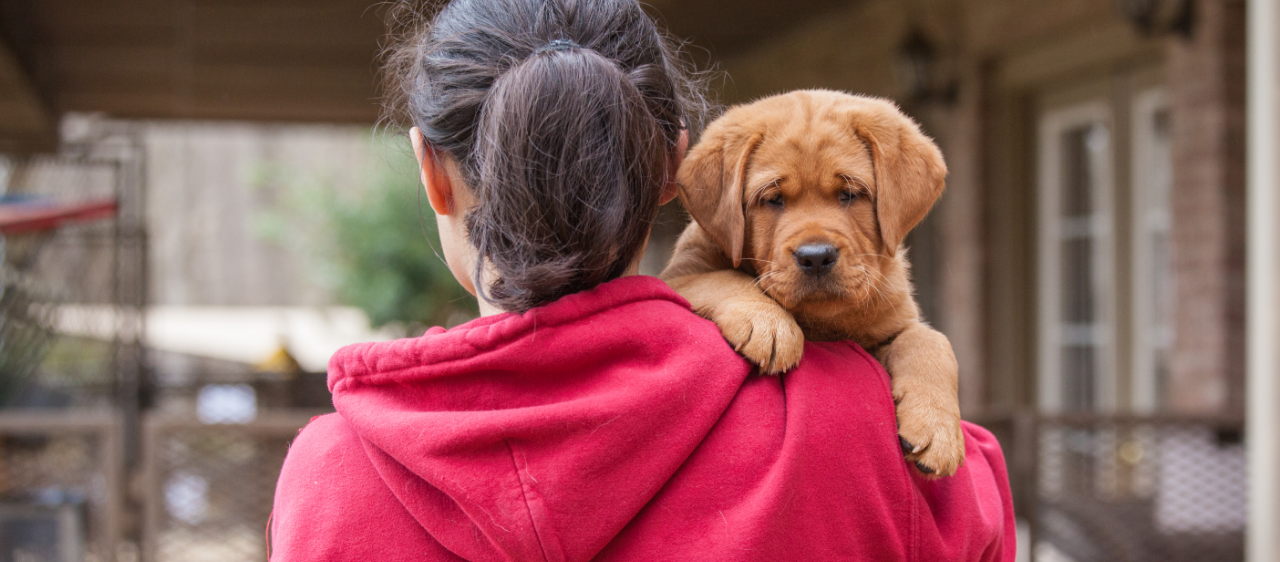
(801, 202)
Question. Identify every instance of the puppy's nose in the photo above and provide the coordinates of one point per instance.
(816, 259)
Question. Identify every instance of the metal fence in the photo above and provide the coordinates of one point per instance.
(88, 279)
(60, 487)
(204, 492)
(71, 327)
(209, 487)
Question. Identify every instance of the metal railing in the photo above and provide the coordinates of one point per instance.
(1127, 488)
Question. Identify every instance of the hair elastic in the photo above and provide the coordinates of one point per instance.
(557, 45)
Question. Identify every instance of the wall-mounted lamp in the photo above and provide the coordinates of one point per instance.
(1158, 17)
(916, 65)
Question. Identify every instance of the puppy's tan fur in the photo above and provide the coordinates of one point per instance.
(820, 167)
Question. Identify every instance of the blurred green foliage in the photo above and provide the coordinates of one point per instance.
(375, 247)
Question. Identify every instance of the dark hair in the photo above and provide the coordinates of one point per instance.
(562, 116)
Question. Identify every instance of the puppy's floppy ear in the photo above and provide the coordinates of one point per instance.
(910, 171)
(711, 186)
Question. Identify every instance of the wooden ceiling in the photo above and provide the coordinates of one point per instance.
(725, 27)
(277, 60)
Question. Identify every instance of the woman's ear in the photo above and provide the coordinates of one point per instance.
(432, 173)
(671, 188)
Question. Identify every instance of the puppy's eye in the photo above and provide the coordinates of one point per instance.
(849, 196)
(774, 201)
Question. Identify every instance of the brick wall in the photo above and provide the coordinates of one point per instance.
(1206, 84)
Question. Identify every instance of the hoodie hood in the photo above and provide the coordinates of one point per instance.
(539, 436)
(617, 425)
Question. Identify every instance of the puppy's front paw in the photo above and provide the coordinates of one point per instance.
(929, 430)
(766, 334)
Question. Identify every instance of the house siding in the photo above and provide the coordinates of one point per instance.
(1206, 83)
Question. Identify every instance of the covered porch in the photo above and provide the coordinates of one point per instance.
(1088, 261)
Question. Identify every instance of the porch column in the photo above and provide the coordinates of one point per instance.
(1263, 308)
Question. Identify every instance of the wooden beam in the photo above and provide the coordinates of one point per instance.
(26, 124)
(728, 27)
(287, 60)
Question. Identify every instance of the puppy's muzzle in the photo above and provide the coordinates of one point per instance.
(816, 259)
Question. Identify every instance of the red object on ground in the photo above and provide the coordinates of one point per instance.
(26, 216)
(615, 424)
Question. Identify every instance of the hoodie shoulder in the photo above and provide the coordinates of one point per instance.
(613, 306)
(329, 493)
(540, 434)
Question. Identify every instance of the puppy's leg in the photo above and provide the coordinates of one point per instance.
(926, 388)
(754, 324)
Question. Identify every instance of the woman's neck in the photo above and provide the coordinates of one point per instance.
(489, 309)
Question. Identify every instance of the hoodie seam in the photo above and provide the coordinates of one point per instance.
(525, 496)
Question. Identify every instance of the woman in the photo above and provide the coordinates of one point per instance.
(589, 414)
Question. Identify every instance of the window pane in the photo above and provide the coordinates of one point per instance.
(1083, 152)
(1078, 378)
(1077, 281)
(1076, 180)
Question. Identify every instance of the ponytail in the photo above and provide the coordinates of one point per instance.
(562, 116)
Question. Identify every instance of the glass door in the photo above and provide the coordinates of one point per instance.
(1077, 370)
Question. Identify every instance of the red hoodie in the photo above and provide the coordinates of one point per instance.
(615, 424)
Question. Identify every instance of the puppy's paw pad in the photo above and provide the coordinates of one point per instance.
(933, 441)
(767, 336)
(941, 458)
